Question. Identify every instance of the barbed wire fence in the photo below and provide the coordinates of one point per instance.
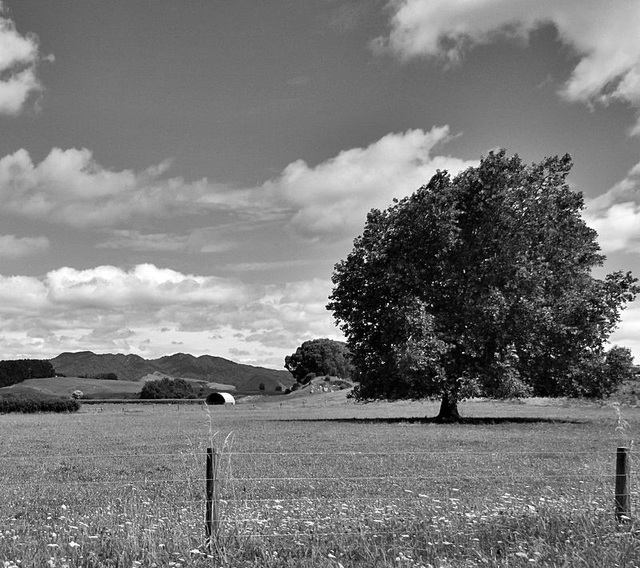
(253, 493)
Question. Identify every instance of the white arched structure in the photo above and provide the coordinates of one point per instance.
(220, 398)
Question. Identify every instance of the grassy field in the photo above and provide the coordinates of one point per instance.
(318, 481)
(101, 389)
(64, 386)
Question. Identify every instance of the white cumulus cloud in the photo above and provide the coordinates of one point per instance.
(331, 200)
(19, 56)
(628, 332)
(144, 285)
(72, 188)
(603, 35)
(615, 215)
(618, 227)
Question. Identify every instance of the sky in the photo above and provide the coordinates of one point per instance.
(182, 176)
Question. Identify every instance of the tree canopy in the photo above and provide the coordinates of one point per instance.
(16, 371)
(319, 357)
(481, 285)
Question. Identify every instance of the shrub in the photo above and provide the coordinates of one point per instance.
(32, 403)
(168, 388)
(307, 378)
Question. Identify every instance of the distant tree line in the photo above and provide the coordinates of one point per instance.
(16, 371)
(100, 376)
(36, 402)
(317, 358)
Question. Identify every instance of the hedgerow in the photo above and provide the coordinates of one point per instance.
(33, 403)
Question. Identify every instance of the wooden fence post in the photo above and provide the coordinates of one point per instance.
(623, 485)
(212, 509)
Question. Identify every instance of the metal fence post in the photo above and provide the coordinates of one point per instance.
(623, 484)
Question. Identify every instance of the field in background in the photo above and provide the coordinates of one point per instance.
(106, 389)
(64, 386)
(318, 481)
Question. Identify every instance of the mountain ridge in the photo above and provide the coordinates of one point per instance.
(179, 365)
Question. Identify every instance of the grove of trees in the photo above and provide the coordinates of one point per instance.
(482, 285)
(168, 388)
(319, 357)
(18, 370)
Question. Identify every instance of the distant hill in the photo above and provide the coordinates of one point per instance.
(91, 388)
(181, 366)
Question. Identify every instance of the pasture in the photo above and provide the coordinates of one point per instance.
(319, 481)
(64, 386)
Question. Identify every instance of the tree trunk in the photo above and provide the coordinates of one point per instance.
(448, 409)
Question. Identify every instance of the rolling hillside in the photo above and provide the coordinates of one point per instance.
(64, 386)
(181, 365)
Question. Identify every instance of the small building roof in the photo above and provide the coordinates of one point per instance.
(220, 398)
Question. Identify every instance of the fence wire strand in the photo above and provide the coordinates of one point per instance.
(40, 457)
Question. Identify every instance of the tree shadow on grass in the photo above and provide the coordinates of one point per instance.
(473, 420)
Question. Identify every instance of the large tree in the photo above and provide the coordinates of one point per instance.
(480, 285)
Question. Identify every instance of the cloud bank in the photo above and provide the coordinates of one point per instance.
(327, 201)
(603, 36)
(150, 310)
(144, 309)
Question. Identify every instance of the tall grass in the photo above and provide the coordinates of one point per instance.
(126, 489)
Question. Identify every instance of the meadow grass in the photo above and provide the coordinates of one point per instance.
(318, 482)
